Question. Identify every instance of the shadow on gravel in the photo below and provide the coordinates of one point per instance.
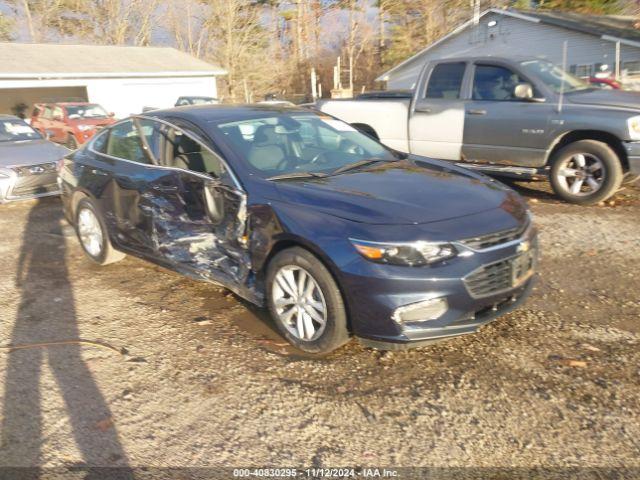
(539, 190)
(47, 314)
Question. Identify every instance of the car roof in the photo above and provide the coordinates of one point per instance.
(486, 58)
(209, 113)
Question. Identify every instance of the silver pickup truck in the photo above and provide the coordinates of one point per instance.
(525, 118)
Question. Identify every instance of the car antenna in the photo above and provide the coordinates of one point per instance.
(564, 69)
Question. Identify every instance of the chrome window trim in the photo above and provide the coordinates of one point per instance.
(204, 176)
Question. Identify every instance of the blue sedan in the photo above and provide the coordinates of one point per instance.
(336, 234)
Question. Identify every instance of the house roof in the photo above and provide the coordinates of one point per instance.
(608, 27)
(616, 26)
(30, 60)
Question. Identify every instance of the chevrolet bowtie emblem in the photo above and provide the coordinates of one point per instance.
(524, 247)
(36, 170)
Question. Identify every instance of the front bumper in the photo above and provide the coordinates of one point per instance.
(376, 291)
(14, 187)
(633, 156)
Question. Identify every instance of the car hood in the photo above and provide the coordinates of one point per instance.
(30, 152)
(401, 193)
(611, 98)
(92, 121)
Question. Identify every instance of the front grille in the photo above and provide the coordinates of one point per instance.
(501, 276)
(490, 279)
(39, 169)
(35, 180)
(495, 238)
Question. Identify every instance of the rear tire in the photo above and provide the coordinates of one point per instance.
(93, 234)
(586, 172)
(305, 302)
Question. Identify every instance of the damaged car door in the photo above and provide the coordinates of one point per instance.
(192, 207)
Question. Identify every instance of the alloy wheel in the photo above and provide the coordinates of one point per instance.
(299, 303)
(90, 232)
(581, 174)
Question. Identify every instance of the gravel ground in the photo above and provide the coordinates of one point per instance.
(184, 374)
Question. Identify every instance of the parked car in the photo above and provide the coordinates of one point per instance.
(190, 100)
(27, 161)
(605, 83)
(70, 123)
(524, 118)
(336, 234)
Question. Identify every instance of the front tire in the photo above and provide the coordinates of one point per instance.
(586, 172)
(305, 302)
(71, 142)
(93, 235)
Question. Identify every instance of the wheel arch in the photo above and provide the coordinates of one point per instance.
(294, 241)
(599, 135)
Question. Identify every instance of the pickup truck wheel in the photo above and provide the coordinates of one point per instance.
(71, 142)
(586, 172)
(305, 302)
(93, 235)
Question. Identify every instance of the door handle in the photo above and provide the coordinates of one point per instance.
(423, 109)
(99, 172)
(477, 112)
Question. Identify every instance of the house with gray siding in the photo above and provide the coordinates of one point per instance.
(593, 43)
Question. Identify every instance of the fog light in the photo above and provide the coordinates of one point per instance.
(421, 311)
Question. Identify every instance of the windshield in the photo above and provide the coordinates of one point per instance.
(17, 130)
(553, 76)
(75, 112)
(299, 143)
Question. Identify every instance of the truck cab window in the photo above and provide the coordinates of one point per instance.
(492, 82)
(446, 81)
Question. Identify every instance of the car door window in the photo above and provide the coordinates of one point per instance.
(99, 142)
(47, 113)
(124, 142)
(445, 81)
(496, 83)
(174, 148)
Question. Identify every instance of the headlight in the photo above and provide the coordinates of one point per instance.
(634, 128)
(84, 128)
(411, 254)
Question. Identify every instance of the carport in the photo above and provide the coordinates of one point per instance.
(123, 80)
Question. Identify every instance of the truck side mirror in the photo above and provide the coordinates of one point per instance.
(523, 91)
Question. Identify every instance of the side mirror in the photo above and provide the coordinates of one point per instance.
(523, 91)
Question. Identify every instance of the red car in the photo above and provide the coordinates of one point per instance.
(70, 123)
(606, 83)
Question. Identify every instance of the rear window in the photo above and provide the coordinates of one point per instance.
(446, 81)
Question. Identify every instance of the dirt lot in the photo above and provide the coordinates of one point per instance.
(185, 374)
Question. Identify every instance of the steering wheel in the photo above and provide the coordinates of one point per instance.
(285, 164)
